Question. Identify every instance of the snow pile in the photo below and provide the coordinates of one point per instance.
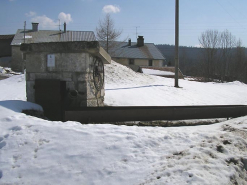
(13, 88)
(36, 151)
(157, 72)
(128, 88)
(6, 71)
(2, 70)
(117, 75)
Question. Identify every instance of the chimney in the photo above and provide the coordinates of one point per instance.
(35, 26)
(64, 26)
(129, 44)
(140, 41)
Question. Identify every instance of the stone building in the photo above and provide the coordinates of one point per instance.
(35, 35)
(65, 75)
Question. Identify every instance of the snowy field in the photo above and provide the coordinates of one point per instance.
(36, 151)
(127, 88)
(157, 72)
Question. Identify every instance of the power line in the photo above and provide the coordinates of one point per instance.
(232, 5)
(230, 15)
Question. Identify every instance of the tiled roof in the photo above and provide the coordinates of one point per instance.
(2, 37)
(148, 51)
(51, 36)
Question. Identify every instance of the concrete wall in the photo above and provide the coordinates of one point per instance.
(157, 63)
(76, 68)
(5, 47)
(139, 62)
(123, 61)
(17, 64)
(5, 61)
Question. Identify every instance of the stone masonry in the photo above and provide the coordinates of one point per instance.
(74, 64)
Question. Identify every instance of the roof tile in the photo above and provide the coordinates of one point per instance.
(51, 36)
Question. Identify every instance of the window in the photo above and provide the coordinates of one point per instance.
(131, 61)
(150, 63)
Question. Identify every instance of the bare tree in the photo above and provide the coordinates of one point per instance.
(227, 43)
(239, 65)
(107, 33)
(209, 40)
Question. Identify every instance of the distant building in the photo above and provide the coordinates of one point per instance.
(137, 53)
(5, 50)
(35, 35)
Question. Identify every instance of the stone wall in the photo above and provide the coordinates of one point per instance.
(5, 47)
(17, 64)
(72, 64)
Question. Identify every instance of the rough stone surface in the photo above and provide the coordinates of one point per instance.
(30, 91)
(36, 62)
(73, 66)
(60, 47)
(17, 64)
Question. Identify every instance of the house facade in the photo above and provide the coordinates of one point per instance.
(35, 35)
(5, 50)
(137, 53)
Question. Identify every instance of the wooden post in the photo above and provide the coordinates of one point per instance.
(176, 42)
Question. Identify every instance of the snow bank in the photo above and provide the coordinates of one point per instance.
(13, 88)
(34, 151)
(13, 94)
(128, 88)
(157, 72)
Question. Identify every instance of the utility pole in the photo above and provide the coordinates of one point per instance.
(176, 42)
(24, 31)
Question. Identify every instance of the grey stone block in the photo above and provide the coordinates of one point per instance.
(95, 102)
(66, 76)
(36, 62)
(47, 76)
(30, 91)
(83, 77)
(102, 92)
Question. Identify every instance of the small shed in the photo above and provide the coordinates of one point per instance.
(65, 75)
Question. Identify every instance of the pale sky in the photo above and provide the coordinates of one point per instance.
(153, 19)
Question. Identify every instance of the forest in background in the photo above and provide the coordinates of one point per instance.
(188, 58)
(221, 59)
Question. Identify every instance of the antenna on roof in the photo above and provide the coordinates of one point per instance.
(24, 30)
(136, 30)
(59, 25)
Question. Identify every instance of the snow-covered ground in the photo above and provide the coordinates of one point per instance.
(36, 151)
(125, 87)
(157, 72)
